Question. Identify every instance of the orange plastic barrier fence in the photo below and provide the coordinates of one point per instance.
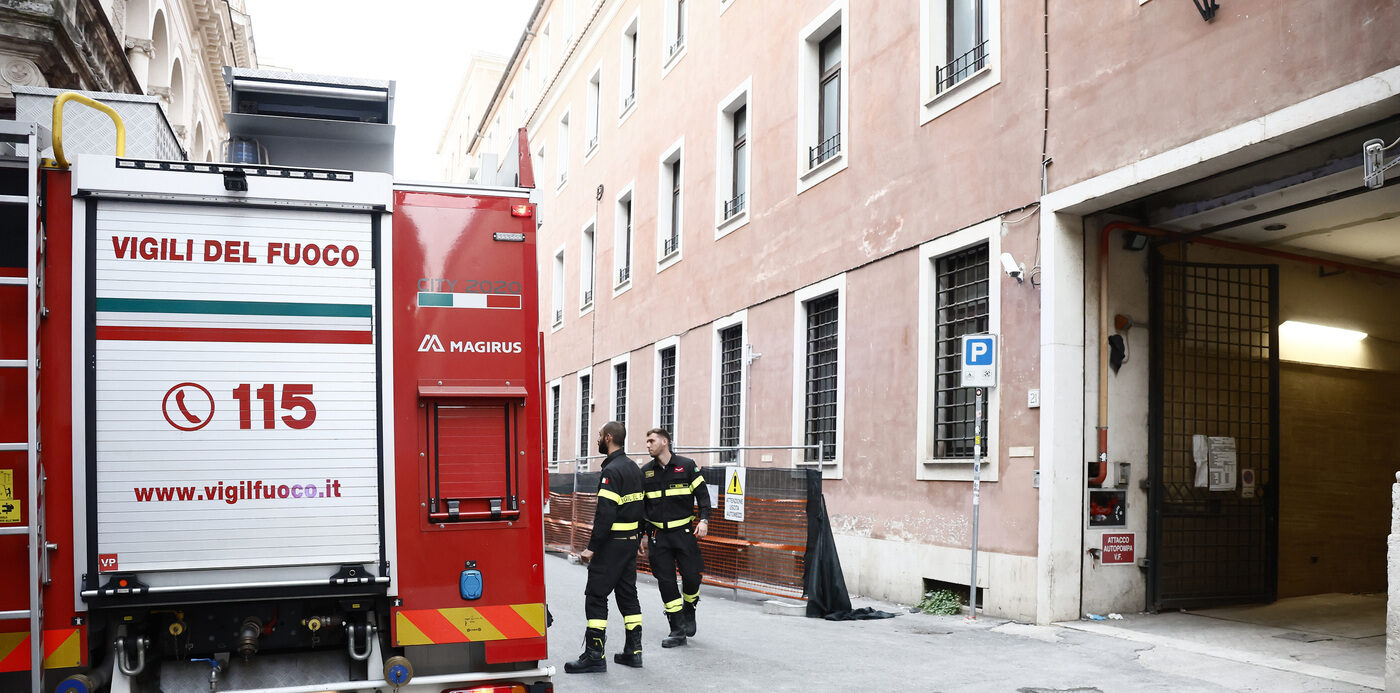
(765, 553)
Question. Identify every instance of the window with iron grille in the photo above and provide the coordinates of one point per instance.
(731, 389)
(554, 426)
(620, 396)
(963, 307)
(822, 355)
(584, 395)
(666, 390)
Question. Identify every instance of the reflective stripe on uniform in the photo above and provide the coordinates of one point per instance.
(678, 492)
(610, 495)
(696, 484)
(673, 523)
(598, 623)
(692, 597)
(674, 605)
(625, 526)
(630, 498)
(631, 621)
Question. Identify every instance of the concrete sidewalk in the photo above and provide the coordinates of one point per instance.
(741, 648)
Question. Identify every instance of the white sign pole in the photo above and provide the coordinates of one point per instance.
(976, 501)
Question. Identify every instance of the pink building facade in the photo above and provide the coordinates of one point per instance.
(769, 224)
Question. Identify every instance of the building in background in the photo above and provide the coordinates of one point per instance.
(172, 49)
(770, 224)
(464, 125)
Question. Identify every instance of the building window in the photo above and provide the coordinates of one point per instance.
(740, 177)
(585, 396)
(818, 375)
(828, 101)
(586, 268)
(546, 69)
(562, 165)
(731, 390)
(962, 308)
(554, 396)
(732, 168)
(966, 45)
(670, 212)
(622, 244)
(620, 393)
(675, 28)
(959, 47)
(666, 389)
(823, 97)
(627, 89)
(819, 404)
(594, 92)
(557, 301)
(566, 19)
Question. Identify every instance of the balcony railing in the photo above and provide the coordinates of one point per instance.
(670, 245)
(962, 66)
(563, 178)
(627, 102)
(592, 143)
(558, 315)
(675, 47)
(824, 150)
(623, 274)
(588, 298)
(734, 206)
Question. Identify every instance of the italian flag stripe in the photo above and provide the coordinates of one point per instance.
(160, 305)
(434, 299)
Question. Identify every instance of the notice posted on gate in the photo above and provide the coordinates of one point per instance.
(235, 412)
(734, 484)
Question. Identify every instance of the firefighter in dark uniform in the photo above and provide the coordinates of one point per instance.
(612, 556)
(675, 497)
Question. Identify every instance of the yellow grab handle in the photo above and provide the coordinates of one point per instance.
(58, 123)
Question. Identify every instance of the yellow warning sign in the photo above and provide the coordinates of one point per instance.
(735, 485)
(7, 484)
(9, 512)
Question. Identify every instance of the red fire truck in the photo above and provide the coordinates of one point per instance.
(271, 423)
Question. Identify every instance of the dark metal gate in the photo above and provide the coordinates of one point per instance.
(1214, 373)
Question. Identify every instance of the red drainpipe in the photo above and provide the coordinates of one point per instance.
(1102, 428)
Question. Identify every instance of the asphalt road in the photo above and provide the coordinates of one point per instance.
(740, 648)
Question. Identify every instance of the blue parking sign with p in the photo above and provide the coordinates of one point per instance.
(979, 352)
(979, 360)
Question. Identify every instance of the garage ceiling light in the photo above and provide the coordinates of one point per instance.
(1309, 331)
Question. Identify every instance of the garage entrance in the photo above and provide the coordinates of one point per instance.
(1275, 355)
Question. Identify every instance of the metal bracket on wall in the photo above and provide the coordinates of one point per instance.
(1207, 8)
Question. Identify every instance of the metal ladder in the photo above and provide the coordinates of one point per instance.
(27, 134)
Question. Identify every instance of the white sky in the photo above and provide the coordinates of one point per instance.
(423, 45)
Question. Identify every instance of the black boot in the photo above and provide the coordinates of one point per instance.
(689, 614)
(592, 658)
(677, 636)
(631, 654)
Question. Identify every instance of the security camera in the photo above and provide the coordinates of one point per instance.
(1013, 270)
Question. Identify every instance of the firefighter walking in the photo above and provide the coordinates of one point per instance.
(612, 556)
(675, 497)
